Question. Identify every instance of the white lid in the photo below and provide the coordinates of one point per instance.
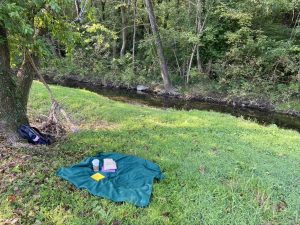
(95, 162)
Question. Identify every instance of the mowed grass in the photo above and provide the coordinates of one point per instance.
(219, 169)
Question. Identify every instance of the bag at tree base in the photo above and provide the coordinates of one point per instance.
(33, 135)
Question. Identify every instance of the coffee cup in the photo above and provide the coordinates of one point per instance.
(95, 163)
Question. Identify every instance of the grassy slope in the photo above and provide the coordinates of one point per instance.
(219, 169)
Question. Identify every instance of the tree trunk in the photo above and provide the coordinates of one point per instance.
(199, 29)
(159, 48)
(134, 34)
(78, 8)
(12, 110)
(124, 30)
(25, 77)
(103, 9)
(199, 64)
(190, 65)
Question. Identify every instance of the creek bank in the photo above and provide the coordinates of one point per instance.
(214, 98)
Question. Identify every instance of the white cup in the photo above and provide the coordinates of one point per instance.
(95, 163)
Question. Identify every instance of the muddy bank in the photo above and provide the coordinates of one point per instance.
(263, 106)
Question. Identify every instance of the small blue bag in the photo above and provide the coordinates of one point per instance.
(33, 135)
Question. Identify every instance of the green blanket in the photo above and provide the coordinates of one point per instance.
(132, 182)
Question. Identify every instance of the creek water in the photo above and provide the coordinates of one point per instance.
(141, 98)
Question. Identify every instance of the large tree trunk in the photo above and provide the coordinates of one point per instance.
(25, 77)
(159, 48)
(12, 109)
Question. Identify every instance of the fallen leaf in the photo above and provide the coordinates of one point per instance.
(12, 198)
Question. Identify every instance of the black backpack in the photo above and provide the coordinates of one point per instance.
(33, 135)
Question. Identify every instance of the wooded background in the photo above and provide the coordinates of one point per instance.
(235, 43)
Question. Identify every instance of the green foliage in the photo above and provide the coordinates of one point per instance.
(119, 72)
(12, 15)
(243, 46)
(28, 22)
(237, 44)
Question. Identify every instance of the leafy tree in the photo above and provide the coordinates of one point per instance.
(24, 26)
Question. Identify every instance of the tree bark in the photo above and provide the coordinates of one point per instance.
(12, 111)
(190, 64)
(103, 9)
(159, 47)
(25, 77)
(199, 64)
(199, 29)
(134, 34)
(124, 30)
(78, 8)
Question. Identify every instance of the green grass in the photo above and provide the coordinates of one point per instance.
(219, 169)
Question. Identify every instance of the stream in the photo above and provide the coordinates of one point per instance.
(141, 98)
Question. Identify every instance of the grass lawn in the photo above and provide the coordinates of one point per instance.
(219, 169)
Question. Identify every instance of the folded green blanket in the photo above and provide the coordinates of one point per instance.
(132, 182)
